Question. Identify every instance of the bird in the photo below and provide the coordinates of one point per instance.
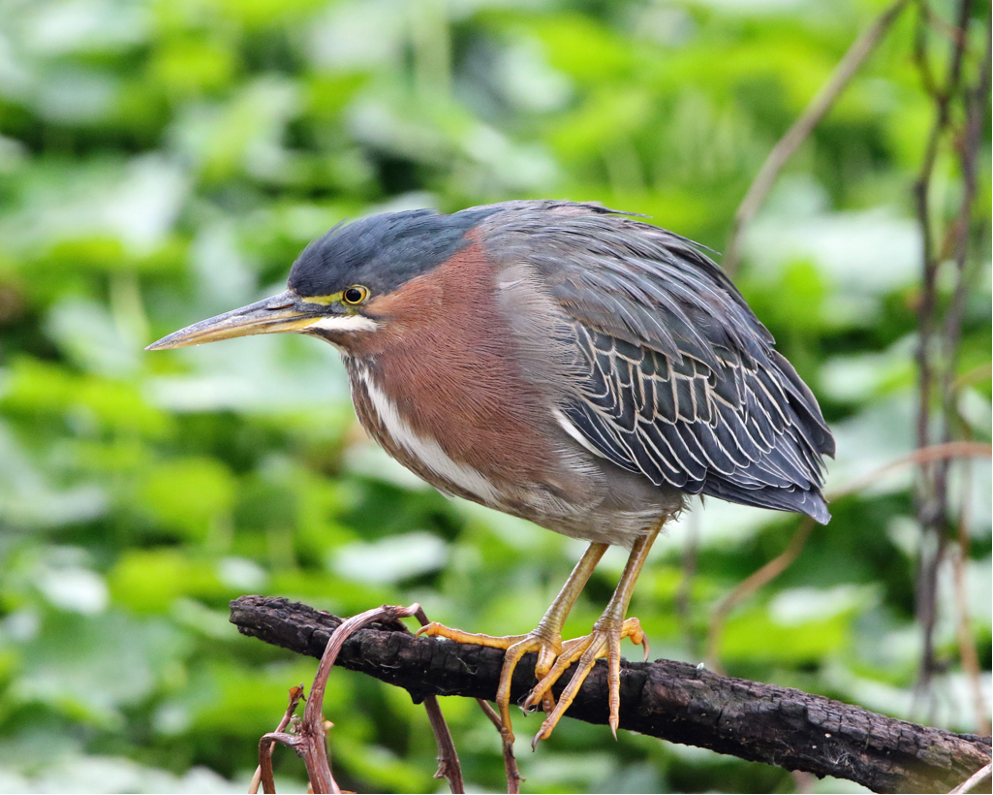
(562, 362)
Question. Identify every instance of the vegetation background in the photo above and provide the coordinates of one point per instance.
(162, 161)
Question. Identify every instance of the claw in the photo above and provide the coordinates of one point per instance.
(516, 646)
(554, 656)
(604, 641)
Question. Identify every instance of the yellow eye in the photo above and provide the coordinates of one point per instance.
(355, 295)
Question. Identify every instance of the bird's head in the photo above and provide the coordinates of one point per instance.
(338, 286)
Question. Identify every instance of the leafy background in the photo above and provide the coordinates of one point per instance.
(163, 161)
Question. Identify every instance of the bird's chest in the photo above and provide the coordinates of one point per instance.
(440, 387)
(461, 428)
(423, 453)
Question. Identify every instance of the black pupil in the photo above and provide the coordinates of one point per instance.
(353, 295)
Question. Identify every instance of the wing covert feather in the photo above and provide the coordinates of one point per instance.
(678, 379)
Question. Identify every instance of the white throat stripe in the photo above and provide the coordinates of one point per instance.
(345, 323)
(427, 451)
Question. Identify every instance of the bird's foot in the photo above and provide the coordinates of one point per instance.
(547, 645)
(603, 641)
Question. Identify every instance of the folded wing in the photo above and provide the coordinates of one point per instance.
(678, 378)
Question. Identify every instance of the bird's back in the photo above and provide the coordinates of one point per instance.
(672, 375)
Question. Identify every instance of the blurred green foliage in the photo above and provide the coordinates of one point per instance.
(165, 160)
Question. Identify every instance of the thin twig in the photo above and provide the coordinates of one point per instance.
(802, 127)
(269, 739)
(969, 784)
(784, 560)
(263, 773)
(315, 755)
(961, 41)
(958, 242)
(936, 367)
(957, 238)
(449, 766)
(968, 155)
(927, 486)
(923, 455)
(922, 24)
(509, 760)
(750, 585)
(310, 742)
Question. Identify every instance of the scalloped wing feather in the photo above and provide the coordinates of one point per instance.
(679, 379)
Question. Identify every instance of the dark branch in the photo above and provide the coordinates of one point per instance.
(669, 700)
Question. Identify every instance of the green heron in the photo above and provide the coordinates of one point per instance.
(563, 363)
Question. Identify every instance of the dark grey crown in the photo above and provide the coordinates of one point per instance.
(381, 252)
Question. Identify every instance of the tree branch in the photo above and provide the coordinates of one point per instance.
(669, 700)
(816, 110)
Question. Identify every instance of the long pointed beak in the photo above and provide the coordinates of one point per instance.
(269, 316)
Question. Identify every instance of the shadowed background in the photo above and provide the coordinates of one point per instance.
(161, 162)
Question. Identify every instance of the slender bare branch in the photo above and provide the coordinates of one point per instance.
(449, 766)
(939, 330)
(970, 783)
(263, 773)
(784, 560)
(312, 732)
(750, 585)
(509, 760)
(923, 455)
(802, 127)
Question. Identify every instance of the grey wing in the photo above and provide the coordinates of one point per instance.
(679, 379)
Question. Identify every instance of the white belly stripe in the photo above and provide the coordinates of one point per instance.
(427, 451)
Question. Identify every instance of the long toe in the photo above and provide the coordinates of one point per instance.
(546, 647)
(604, 641)
(436, 630)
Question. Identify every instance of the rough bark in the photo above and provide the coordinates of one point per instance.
(669, 700)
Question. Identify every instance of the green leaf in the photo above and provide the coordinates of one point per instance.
(189, 495)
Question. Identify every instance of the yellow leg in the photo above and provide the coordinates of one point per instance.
(545, 639)
(604, 641)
